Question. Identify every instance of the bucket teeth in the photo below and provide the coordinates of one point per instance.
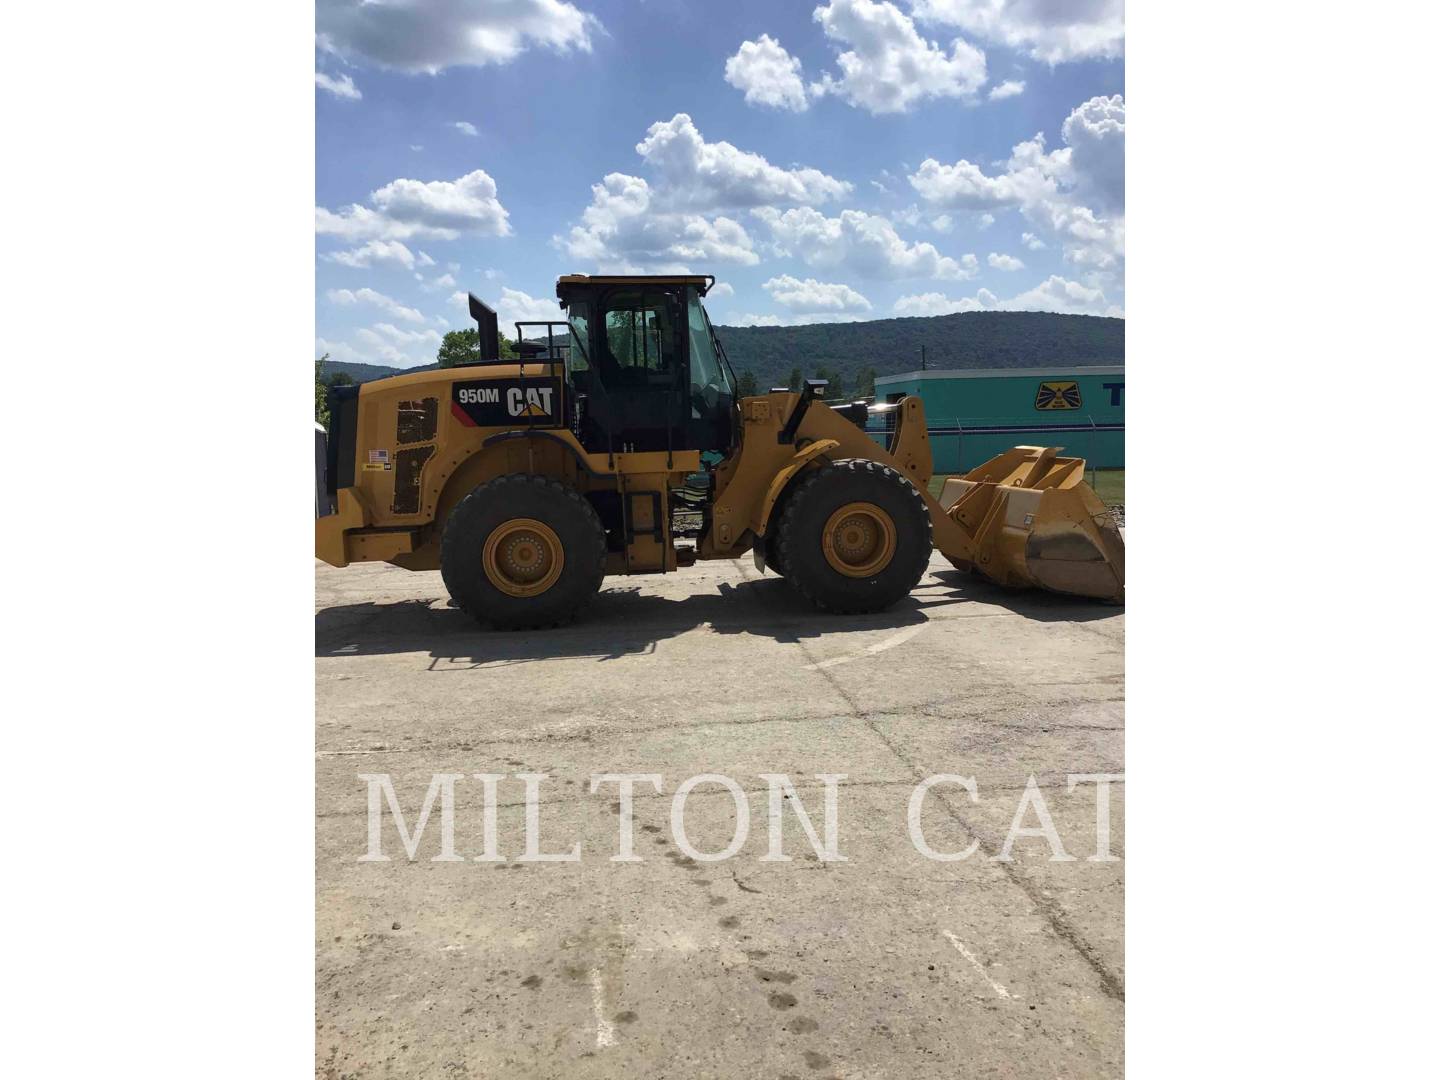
(1027, 518)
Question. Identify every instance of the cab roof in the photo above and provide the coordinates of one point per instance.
(703, 282)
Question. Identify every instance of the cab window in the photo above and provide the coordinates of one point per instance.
(640, 333)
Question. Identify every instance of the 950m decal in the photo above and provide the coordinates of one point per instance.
(504, 402)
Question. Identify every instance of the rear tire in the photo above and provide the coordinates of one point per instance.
(523, 551)
(854, 537)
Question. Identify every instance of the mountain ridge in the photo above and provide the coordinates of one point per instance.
(973, 339)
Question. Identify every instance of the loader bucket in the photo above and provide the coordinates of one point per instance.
(1027, 518)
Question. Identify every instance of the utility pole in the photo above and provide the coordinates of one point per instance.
(922, 357)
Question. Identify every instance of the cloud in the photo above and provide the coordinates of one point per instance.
(768, 74)
(1031, 241)
(1048, 31)
(1075, 193)
(632, 223)
(721, 288)
(439, 209)
(750, 318)
(392, 307)
(861, 243)
(465, 127)
(1095, 133)
(812, 297)
(438, 284)
(403, 348)
(516, 306)
(341, 86)
(389, 332)
(1004, 262)
(431, 35)
(706, 175)
(620, 231)
(384, 343)
(376, 251)
(1007, 89)
(888, 66)
(1055, 294)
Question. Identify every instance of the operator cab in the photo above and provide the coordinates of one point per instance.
(644, 367)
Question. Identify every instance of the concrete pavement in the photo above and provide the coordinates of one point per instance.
(887, 964)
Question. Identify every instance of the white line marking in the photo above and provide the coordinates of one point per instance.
(1000, 990)
(889, 643)
(604, 1029)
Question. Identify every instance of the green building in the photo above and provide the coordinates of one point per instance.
(974, 415)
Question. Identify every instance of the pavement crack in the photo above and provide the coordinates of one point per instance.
(1055, 918)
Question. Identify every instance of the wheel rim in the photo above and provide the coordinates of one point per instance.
(859, 539)
(523, 557)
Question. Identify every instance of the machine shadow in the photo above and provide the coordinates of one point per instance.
(622, 621)
(626, 620)
(1034, 604)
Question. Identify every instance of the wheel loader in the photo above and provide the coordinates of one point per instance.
(614, 442)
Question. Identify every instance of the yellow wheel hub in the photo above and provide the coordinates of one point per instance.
(859, 539)
(523, 557)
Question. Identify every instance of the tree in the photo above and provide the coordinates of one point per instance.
(463, 347)
(836, 389)
(745, 385)
(865, 383)
(322, 403)
(795, 378)
(340, 378)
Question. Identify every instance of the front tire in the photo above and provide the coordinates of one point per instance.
(854, 537)
(523, 551)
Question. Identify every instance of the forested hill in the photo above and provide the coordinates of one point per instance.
(973, 339)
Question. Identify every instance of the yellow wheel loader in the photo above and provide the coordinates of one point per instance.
(614, 443)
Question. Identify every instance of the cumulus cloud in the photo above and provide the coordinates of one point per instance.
(342, 86)
(465, 127)
(687, 216)
(517, 306)
(1055, 294)
(1048, 31)
(861, 243)
(384, 343)
(721, 288)
(886, 65)
(1031, 241)
(812, 297)
(1007, 89)
(389, 305)
(718, 175)
(439, 209)
(767, 74)
(619, 231)
(390, 252)
(431, 35)
(1004, 262)
(1095, 133)
(1075, 193)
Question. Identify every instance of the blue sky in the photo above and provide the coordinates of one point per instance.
(848, 160)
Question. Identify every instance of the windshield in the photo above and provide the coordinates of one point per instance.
(708, 369)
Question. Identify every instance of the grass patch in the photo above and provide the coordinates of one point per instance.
(1109, 484)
